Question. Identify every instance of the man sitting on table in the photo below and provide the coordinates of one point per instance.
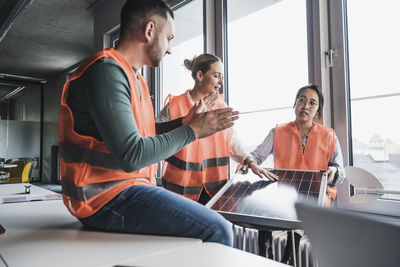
(109, 150)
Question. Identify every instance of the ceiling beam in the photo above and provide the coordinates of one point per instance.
(21, 79)
(14, 13)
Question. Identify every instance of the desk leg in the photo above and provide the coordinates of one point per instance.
(294, 250)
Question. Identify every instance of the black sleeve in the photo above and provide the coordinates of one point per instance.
(165, 127)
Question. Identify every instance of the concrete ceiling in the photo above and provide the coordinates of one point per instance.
(44, 37)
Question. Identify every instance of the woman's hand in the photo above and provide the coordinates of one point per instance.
(204, 105)
(331, 172)
(209, 100)
(242, 168)
(261, 172)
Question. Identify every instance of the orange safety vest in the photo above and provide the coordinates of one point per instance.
(202, 163)
(317, 152)
(90, 177)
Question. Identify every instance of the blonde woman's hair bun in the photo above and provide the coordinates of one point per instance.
(188, 63)
(200, 63)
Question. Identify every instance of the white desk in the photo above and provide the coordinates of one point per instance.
(200, 255)
(43, 233)
(15, 193)
(12, 189)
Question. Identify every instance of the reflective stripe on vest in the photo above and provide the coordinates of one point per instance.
(202, 163)
(184, 165)
(192, 190)
(182, 190)
(83, 155)
(212, 186)
(215, 162)
(194, 166)
(90, 176)
(84, 193)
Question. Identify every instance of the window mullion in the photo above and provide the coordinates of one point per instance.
(338, 79)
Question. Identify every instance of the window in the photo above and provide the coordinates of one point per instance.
(188, 42)
(268, 63)
(374, 88)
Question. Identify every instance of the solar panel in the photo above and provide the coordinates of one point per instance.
(250, 201)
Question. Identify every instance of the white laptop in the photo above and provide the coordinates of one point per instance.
(342, 238)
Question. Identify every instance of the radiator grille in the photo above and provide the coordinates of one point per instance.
(247, 240)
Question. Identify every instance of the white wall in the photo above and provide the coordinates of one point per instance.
(19, 139)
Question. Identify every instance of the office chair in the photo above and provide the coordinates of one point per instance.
(28, 171)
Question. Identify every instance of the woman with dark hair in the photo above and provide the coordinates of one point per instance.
(303, 143)
(200, 169)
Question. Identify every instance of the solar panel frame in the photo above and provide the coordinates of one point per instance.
(268, 218)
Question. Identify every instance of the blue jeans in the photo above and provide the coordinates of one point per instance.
(154, 210)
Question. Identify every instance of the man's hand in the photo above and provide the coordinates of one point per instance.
(204, 105)
(208, 123)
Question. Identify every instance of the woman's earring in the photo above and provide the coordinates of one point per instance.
(316, 118)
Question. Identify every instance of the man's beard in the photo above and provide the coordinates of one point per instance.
(154, 53)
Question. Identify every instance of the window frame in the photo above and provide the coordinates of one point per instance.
(154, 77)
(341, 116)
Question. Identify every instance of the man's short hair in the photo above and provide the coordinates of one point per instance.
(134, 13)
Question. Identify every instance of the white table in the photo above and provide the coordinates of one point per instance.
(200, 255)
(16, 193)
(44, 233)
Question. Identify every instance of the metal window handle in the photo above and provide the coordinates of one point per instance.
(329, 54)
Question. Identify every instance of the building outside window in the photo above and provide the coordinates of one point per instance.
(373, 42)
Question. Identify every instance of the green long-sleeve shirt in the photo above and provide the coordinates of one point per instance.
(100, 101)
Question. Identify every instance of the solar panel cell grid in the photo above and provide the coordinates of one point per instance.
(254, 196)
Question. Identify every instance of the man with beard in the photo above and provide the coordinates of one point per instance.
(108, 144)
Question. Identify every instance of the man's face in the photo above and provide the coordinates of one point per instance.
(161, 45)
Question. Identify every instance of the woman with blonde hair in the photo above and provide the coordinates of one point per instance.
(200, 169)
